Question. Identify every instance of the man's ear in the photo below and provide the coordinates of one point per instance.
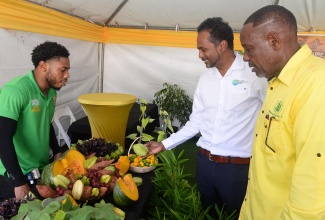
(274, 40)
(223, 45)
(42, 65)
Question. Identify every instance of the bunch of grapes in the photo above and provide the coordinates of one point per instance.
(60, 190)
(96, 145)
(94, 177)
(9, 208)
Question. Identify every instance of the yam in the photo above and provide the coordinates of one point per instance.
(102, 192)
(68, 191)
(86, 195)
(111, 186)
(101, 164)
(46, 191)
(72, 178)
(90, 155)
(104, 172)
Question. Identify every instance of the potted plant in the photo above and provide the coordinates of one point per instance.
(175, 101)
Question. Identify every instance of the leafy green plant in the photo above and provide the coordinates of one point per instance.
(175, 101)
(56, 211)
(167, 126)
(174, 197)
(144, 121)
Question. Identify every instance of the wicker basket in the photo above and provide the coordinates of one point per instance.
(139, 169)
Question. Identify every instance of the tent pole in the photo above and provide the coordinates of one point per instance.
(115, 12)
(101, 47)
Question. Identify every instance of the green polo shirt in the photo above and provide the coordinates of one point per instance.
(22, 100)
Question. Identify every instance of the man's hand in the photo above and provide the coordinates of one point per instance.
(154, 147)
(21, 191)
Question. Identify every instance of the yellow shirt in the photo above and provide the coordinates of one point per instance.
(287, 170)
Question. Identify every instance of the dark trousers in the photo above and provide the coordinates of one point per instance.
(7, 189)
(221, 184)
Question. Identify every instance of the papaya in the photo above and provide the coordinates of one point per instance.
(71, 162)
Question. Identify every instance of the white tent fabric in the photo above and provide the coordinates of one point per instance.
(15, 60)
(183, 14)
(142, 70)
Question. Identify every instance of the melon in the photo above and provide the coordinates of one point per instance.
(125, 191)
(71, 162)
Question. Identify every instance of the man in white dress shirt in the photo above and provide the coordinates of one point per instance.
(226, 102)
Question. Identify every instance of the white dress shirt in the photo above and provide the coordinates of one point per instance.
(224, 111)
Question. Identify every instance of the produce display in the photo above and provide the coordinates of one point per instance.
(88, 171)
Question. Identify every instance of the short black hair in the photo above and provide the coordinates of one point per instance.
(219, 30)
(273, 13)
(48, 50)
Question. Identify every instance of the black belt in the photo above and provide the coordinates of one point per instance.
(224, 159)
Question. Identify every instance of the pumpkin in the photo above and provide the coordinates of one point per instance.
(71, 162)
(123, 164)
(125, 191)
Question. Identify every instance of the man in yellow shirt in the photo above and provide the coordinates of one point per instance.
(286, 176)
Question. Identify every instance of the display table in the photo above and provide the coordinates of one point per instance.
(108, 114)
(80, 129)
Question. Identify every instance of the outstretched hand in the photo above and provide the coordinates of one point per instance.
(154, 147)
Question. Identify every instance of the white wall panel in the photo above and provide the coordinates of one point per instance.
(142, 70)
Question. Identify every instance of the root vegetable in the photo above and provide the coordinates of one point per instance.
(101, 164)
(111, 186)
(86, 195)
(102, 191)
(93, 154)
(104, 172)
(72, 178)
(46, 191)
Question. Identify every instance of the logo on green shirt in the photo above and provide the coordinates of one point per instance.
(35, 105)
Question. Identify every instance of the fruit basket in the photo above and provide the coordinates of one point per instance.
(145, 168)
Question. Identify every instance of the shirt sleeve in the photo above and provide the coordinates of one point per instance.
(307, 190)
(7, 151)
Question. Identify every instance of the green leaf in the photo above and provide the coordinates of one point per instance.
(139, 128)
(147, 137)
(52, 207)
(59, 215)
(20, 216)
(143, 101)
(161, 136)
(132, 136)
(144, 122)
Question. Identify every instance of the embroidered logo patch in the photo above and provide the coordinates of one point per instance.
(278, 107)
(35, 105)
(236, 82)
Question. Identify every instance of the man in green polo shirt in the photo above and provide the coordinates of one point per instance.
(27, 105)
